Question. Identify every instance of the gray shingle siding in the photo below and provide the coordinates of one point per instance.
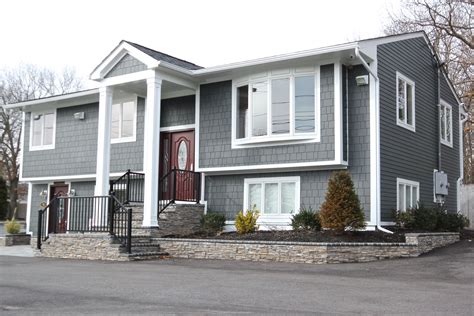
(403, 153)
(215, 130)
(225, 193)
(126, 65)
(178, 111)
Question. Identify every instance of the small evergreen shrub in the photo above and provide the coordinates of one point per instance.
(212, 223)
(341, 209)
(306, 219)
(247, 223)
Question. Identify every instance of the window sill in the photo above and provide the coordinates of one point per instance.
(38, 148)
(446, 143)
(275, 141)
(123, 140)
(406, 126)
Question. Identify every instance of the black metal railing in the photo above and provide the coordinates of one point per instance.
(179, 185)
(81, 214)
(120, 223)
(128, 188)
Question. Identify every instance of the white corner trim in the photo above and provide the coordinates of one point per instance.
(28, 208)
(178, 128)
(22, 143)
(338, 141)
(197, 131)
(42, 147)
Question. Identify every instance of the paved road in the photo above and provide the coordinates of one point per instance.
(439, 283)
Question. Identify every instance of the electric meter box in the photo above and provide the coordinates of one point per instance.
(441, 183)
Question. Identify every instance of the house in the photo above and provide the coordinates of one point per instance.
(268, 132)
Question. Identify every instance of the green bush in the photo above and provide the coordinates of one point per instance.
(431, 219)
(247, 223)
(212, 223)
(306, 219)
(12, 226)
(341, 209)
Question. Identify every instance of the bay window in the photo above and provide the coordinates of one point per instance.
(278, 106)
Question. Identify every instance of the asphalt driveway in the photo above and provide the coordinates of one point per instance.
(439, 283)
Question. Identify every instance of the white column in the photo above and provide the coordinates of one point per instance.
(103, 141)
(151, 155)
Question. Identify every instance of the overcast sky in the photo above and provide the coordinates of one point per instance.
(81, 33)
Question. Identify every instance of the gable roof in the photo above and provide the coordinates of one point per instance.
(165, 57)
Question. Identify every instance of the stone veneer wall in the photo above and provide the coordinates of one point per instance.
(82, 246)
(304, 252)
(15, 240)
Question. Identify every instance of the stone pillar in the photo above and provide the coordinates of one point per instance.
(152, 151)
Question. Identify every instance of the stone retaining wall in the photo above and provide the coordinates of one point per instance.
(303, 252)
(15, 240)
(82, 246)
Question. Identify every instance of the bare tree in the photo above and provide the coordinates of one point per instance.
(449, 25)
(23, 83)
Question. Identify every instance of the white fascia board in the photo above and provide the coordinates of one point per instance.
(116, 55)
(298, 166)
(277, 58)
(80, 177)
(75, 97)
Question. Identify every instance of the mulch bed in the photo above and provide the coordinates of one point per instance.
(306, 236)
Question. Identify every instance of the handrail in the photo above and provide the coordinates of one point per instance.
(42, 223)
(121, 232)
(130, 186)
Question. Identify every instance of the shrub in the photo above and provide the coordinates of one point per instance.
(247, 223)
(341, 209)
(3, 199)
(306, 219)
(212, 223)
(12, 226)
(431, 219)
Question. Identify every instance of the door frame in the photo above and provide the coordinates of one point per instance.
(50, 185)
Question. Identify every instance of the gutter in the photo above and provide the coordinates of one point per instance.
(376, 79)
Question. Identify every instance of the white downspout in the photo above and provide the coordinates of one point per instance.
(461, 154)
(377, 133)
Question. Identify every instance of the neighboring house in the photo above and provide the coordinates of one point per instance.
(268, 131)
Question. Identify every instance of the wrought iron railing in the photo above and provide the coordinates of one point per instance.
(43, 218)
(179, 185)
(128, 188)
(120, 222)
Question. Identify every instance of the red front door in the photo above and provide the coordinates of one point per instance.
(58, 215)
(177, 152)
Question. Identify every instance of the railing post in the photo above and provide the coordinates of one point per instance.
(127, 189)
(39, 232)
(129, 231)
(111, 213)
(198, 193)
(111, 186)
(174, 185)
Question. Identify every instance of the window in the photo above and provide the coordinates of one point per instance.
(278, 106)
(405, 102)
(123, 122)
(446, 122)
(43, 130)
(273, 196)
(408, 194)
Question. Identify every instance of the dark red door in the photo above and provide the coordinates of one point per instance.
(177, 152)
(58, 216)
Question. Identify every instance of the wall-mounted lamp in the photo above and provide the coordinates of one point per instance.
(362, 80)
(43, 194)
(79, 116)
(72, 192)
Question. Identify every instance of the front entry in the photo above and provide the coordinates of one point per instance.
(177, 152)
(58, 216)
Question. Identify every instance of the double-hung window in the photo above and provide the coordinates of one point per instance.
(124, 116)
(408, 194)
(43, 130)
(277, 106)
(272, 196)
(405, 102)
(446, 124)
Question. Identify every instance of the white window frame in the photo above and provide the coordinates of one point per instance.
(443, 107)
(412, 184)
(282, 218)
(279, 139)
(42, 147)
(404, 123)
(132, 138)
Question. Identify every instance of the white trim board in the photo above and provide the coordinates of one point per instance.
(177, 128)
(79, 178)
